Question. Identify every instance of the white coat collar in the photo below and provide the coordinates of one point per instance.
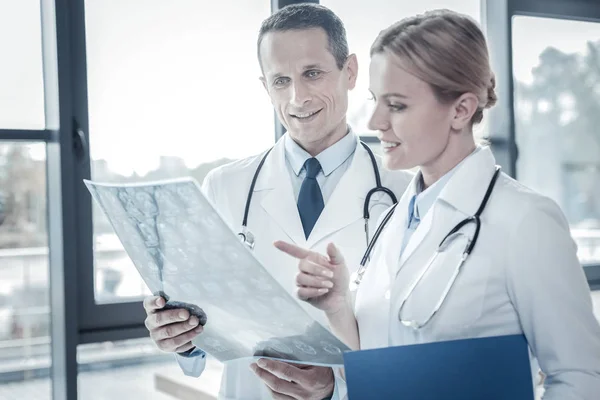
(344, 207)
(463, 192)
(467, 187)
(279, 201)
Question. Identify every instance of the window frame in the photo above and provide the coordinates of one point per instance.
(76, 318)
(498, 18)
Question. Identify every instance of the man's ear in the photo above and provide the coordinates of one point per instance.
(264, 83)
(351, 66)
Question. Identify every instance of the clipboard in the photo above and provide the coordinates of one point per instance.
(491, 368)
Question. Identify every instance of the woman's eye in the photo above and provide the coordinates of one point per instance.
(396, 107)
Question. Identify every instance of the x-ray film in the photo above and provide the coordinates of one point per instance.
(183, 249)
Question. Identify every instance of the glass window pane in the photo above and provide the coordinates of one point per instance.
(21, 72)
(137, 370)
(596, 302)
(364, 20)
(173, 91)
(557, 106)
(24, 283)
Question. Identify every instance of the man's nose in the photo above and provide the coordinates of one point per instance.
(300, 95)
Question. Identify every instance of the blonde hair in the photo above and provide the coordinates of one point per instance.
(445, 49)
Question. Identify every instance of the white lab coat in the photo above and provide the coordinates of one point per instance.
(523, 276)
(274, 216)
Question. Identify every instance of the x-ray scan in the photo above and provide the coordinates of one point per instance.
(184, 251)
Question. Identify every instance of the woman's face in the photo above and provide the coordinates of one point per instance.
(413, 126)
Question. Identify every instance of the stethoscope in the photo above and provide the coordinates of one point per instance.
(357, 276)
(248, 238)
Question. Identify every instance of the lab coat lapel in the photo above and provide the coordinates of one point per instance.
(459, 199)
(396, 228)
(466, 189)
(279, 202)
(345, 205)
(418, 236)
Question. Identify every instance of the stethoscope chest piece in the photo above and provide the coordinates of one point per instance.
(354, 281)
(247, 238)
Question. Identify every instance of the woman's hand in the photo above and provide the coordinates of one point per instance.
(322, 281)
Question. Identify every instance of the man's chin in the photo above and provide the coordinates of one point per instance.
(305, 134)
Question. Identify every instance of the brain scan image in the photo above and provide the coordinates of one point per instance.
(145, 202)
(212, 289)
(237, 288)
(109, 199)
(169, 234)
(190, 232)
(182, 247)
(166, 202)
(152, 267)
(189, 289)
(212, 259)
(187, 194)
(124, 198)
(215, 344)
(303, 347)
(170, 268)
(280, 346)
(149, 233)
(262, 284)
(258, 307)
(331, 349)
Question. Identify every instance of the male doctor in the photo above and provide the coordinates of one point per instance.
(310, 190)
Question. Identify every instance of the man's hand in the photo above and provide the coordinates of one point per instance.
(171, 330)
(293, 381)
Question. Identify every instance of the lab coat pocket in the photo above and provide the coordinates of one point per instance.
(462, 305)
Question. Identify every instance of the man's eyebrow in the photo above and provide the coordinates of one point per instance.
(311, 66)
(275, 76)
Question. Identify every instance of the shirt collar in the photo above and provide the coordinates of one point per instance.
(424, 199)
(330, 158)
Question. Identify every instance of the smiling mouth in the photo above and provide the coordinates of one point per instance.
(389, 145)
(306, 115)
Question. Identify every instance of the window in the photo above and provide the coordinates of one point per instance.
(557, 114)
(173, 91)
(21, 73)
(130, 365)
(24, 283)
(363, 22)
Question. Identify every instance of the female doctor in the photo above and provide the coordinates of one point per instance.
(511, 268)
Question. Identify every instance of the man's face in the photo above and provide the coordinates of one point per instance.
(306, 87)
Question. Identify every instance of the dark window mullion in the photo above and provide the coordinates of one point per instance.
(25, 135)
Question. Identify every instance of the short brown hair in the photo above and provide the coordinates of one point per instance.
(307, 16)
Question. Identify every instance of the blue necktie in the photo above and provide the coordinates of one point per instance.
(310, 199)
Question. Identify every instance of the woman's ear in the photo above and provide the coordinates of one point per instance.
(464, 108)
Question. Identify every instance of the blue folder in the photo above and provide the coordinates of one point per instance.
(492, 368)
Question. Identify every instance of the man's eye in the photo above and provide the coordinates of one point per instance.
(280, 81)
(313, 74)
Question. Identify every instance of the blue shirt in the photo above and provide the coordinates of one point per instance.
(423, 200)
(335, 161)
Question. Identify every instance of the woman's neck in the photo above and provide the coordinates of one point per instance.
(453, 154)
